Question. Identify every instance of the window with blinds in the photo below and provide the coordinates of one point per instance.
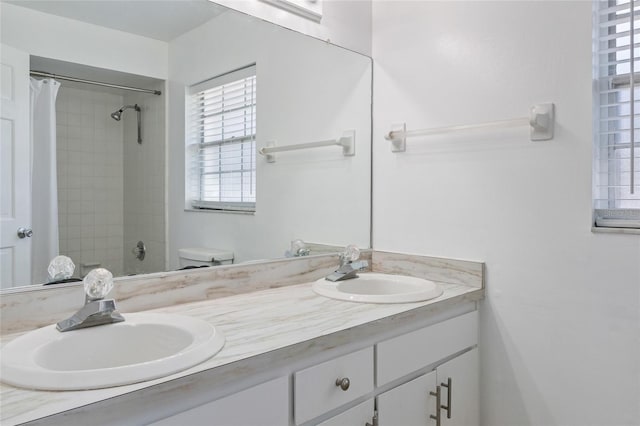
(221, 147)
(617, 136)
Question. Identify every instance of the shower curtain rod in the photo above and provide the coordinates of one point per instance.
(96, 83)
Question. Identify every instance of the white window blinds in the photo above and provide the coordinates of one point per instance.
(617, 132)
(221, 148)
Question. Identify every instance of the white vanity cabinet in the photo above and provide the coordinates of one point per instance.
(434, 366)
(455, 380)
(452, 386)
(266, 404)
(388, 380)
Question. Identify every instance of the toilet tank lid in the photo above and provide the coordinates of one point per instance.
(203, 254)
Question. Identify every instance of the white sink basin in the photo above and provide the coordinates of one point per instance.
(379, 288)
(145, 346)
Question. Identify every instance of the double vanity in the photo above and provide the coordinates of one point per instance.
(291, 356)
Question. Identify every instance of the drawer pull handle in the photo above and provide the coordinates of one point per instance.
(374, 420)
(343, 383)
(449, 387)
(437, 394)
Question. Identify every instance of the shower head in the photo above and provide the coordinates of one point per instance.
(117, 115)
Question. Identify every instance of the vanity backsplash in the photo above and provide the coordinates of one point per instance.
(38, 307)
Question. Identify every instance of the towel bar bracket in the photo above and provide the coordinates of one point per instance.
(348, 143)
(398, 137)
(542, 121)
(271, 158)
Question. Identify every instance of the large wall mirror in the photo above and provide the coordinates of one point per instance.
(100, 172)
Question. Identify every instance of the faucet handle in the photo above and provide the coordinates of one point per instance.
(351, 253)
(98, 283)
(60, 268)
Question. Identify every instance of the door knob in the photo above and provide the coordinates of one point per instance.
(24, 232)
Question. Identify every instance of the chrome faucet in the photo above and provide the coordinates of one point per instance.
(302, 252)
(96, 310)
(349, 268)
(298, 249)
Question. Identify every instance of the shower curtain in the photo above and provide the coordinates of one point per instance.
(44, 182)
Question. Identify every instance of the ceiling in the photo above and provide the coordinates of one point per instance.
(160, 20)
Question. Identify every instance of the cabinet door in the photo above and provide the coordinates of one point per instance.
(263, 405)
(410, 404)
(463, 394)
(359, 415)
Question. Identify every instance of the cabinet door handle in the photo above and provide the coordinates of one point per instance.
(449, 387)
(374, 420)
(437, 394)
(343, 383)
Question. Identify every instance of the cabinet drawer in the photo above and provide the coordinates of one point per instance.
(401, 355)
(315, 390)
(268, 402)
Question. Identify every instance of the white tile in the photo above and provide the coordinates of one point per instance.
(86, 245)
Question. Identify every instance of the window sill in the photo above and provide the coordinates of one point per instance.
(243, 212)
(603, 230)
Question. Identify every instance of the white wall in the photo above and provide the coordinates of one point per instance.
(55, 37)
(345, 23)
(307, 90)
(560, 327)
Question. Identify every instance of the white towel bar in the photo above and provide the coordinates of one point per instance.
(541, 120)
(347, 142)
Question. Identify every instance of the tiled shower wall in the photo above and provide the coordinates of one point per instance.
(90, 178)
(144, 189)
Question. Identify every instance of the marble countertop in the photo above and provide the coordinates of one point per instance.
(254, 324)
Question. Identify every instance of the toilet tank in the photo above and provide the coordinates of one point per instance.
(203, 256)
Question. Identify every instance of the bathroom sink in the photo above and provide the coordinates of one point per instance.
(145, 346)
(379, 288)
